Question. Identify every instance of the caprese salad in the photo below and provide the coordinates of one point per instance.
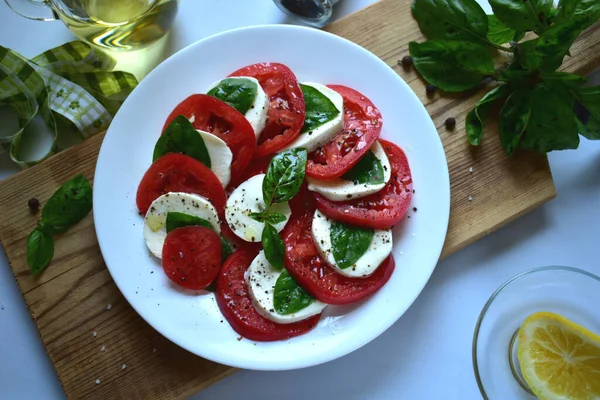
(278, 195)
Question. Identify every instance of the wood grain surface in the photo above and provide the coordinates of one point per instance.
(89, 343)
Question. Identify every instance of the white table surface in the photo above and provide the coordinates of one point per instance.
(427, 353)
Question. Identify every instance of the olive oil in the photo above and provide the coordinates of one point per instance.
(118, 24)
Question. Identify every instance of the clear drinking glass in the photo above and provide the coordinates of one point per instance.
(112, 24)
(311, 12)
(570, 292)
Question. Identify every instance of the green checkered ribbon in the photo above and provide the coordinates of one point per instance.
(71, 87)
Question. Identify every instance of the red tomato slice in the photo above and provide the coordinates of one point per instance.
(306, 266)
(362, 125)
(175, 172)
(303, 202)
(192, 256)
(380, 210)
(236, 305)
(287, 110)
(219, 118)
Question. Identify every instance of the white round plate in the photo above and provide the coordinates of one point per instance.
(193, 320)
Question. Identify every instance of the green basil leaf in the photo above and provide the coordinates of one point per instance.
(516, 76)
(589, 121)
(474, 122)
(526, 56)
(179, 220)
(288, 296)
(275, 218)
(498, 32)
(181, 137)
(586, 11)
(452, 66)
(461, 20)
(368, 170)
(284, 176)
(273, 246)
(53, 230)
(552, 121)
(529, 15)
(258, 216)
(564, 80)
(238, 93)
(589, 127)
(590, 98)
(68, 205)
(349, 243)
(514, 118)
(40, 250)
(319, 109)
(553, 45)
(269, 216)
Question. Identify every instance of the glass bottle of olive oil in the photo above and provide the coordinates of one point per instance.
(117, 24)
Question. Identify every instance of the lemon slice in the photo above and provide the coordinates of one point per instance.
(559, 359)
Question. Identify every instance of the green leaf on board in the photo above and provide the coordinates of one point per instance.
(498, 32)
(452, 66)
(475, 118)
(529, 15)
(40, 250)
(454, 20)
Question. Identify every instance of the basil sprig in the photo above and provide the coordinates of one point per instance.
(67, 206)
(181, 137)
(179, 220)
(282, 181)
(288, 296)
(272, 217)
(538, 108)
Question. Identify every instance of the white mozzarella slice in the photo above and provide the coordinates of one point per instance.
(155, 229)
(220, 156)
(323, 134)
(257, 113)
(378, 250)
(340, 189)
(245, 199)
(261, 278)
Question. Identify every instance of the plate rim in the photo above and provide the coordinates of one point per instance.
(435, 250)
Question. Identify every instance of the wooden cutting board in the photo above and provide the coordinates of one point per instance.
(101, 349)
